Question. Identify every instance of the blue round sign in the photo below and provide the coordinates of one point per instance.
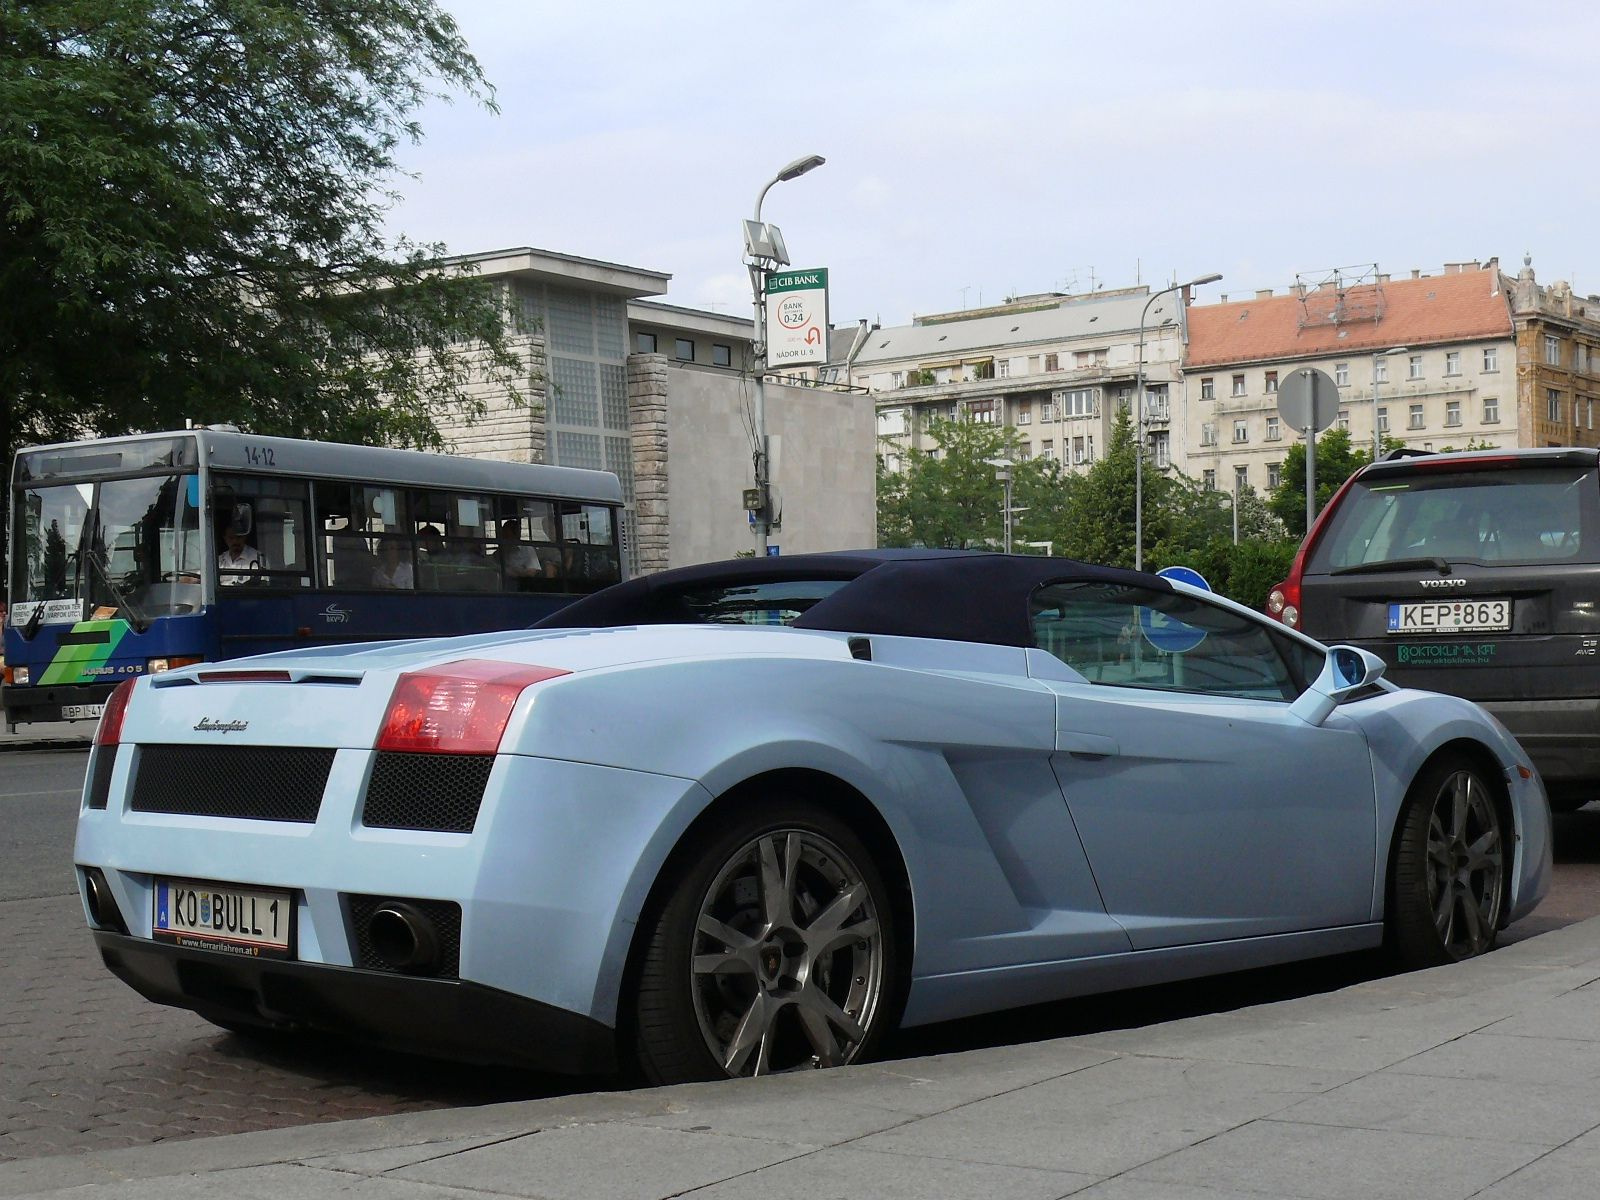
(1168, 634)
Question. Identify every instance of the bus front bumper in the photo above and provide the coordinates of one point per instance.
(68, 702)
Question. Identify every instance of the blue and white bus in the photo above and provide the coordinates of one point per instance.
(138, 554)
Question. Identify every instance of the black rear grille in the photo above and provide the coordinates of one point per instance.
(258, 783)
(445, 916)
(439, 792)
(101, 763)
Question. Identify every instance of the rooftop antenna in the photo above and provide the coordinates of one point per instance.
(964, 292)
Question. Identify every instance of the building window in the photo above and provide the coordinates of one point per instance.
(1047, 410)
(1344, 419)
(1208, 480)
(981, 412)
(1380, 370)
(1002, 369)
(1238, 385)
(1047, 448)
(1079, 402)
(1415, 362)
(1052, 362)
(1241, 479)
(1089, 358)
(1414, 417)
(1082, 450)
(1272, 383)
(1241, 431)
(1274, 430)
(1491, 410)
(1025, 414)
(1155, 403)
(1208, 434)
(1552, 404)
(644, 343)
(1024, 452)
(1552, 349)
(1452, 362)
(721, 356)
(1208, 389)
(1274, 476)
(1452, 412)
(1161, 448)
(1491, 358)
(1341, 374)
(1383, 419)
(683, 350)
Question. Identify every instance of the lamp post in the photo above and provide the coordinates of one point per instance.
(1233, 501)
(1138, 404)
(770, 250)
(1377, 438)
(1003, 475)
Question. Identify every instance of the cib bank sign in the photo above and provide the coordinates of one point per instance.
(797, 318)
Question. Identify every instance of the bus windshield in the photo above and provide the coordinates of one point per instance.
(127, 548)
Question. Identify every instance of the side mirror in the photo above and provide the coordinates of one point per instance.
(1345, 671)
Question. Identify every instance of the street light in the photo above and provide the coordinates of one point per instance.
(1003, 475)
(1377, 438)
(1233, 501)
(766, 245)
(1138, 403)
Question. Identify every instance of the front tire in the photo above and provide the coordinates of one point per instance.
(771, 948)
(1447, 890)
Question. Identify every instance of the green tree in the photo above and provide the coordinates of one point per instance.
(949, 497)
(1336, 462)
(191, 204)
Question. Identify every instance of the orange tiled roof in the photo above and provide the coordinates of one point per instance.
(1417, 312)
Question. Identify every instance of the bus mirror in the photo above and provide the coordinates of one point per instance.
(243, 520)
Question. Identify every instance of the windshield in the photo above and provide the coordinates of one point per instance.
(125, 548)
(1528, 515)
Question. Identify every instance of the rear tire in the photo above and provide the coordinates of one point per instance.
(1447, 889)
(771, 947)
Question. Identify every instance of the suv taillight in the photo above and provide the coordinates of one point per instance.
(458, 708)
(109, 731)
(1283, 602)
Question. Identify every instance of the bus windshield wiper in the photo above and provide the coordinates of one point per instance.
(1440, 565)
(136, 616)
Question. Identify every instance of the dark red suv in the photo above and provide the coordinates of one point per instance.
(1474, 573)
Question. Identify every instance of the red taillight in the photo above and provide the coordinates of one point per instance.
(458, 708)
(1283, 602)
(244, 677)
(109, 731)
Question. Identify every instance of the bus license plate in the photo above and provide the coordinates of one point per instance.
(252, 922)
(1450, 616)
(81, 712)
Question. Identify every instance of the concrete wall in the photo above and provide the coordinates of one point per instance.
(823, 459)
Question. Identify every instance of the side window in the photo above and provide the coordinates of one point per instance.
(262, 531)
(589, 553)
(455, 535)
(525, 547)
(1129, 636)
(346, 559)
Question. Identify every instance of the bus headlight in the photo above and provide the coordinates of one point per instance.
(19, 675)
(157, 665)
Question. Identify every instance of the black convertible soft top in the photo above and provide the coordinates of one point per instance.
(957, 595)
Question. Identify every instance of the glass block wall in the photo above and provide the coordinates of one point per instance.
(586, 420)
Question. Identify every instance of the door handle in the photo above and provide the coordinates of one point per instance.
(1086, 745)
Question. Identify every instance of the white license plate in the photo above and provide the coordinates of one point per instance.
(1450, 616)
(81, 712)
(254, 922)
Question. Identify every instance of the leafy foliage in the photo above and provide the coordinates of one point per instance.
(191, 198)
(1336, 462)
(950, 498)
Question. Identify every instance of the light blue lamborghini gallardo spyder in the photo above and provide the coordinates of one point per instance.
(751, 816)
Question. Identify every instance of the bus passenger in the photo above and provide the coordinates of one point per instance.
(391, 571)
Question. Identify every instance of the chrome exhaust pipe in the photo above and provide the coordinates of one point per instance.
(404, 937)
(102, 905)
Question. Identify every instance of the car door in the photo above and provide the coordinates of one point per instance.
(1207, 810)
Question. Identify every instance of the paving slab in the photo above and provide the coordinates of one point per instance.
(1471, 1081)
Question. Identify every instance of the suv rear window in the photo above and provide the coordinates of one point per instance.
(1528, 515)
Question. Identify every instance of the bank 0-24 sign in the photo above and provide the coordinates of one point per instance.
(797, 318)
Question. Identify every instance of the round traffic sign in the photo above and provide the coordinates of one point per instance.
(1308, 398)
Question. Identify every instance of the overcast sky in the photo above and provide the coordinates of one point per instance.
(977, 150)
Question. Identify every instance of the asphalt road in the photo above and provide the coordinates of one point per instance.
(87, 1064)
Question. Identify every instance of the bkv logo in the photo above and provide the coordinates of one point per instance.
(335, 615)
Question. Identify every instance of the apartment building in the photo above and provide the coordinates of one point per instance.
(1431, 361)
(1055, 367)
(1558, 361)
